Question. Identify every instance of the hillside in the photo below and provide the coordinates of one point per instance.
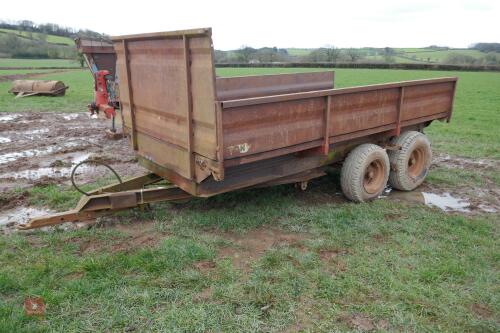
(27, 44)
(27, 39)
(52, 39)
(427, 55)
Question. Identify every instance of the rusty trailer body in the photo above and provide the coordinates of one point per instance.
(207, 135)
(98, 54)
(210, 135)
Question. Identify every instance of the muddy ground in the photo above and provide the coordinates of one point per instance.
(39, 148)
(42, 148)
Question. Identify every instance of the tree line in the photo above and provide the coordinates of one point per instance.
(49, 29)
(31, 41)
(332, 54)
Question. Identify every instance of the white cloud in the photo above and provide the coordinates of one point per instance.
(281, 23)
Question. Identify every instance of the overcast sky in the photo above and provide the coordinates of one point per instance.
(257, 23)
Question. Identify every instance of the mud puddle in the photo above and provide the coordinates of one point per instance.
(10, 218)
(43, 147)
(445, 201)
(8, 117)
(247, 247)
(445, 160)
(54, 171)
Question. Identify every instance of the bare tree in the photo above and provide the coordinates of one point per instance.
(353, 54)
(389, 55)
(332, 53)
(244, 53)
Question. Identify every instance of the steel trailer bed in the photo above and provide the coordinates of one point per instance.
(208, 135)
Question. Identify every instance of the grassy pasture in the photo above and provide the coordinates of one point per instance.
(382, 266)
(10, 62)
(77, 97)
(50, 38)
(404, 55)
(5, 72)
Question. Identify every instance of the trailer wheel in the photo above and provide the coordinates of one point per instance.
(364, 173)
(410, 164)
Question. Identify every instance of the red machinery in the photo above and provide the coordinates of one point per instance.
(101, 60)
(102, 101)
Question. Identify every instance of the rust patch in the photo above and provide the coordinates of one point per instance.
(34, 306)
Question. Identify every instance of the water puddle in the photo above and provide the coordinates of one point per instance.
(19, 215)
(464, 163)
(34, 174)
(11, 157)
(36, 131)
(71, 116)
(9, 117)
(445, 201)
(79, 157)
(4, 139)
(54, 171)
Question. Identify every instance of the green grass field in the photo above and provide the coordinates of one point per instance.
(5, 72)
(439, 55)
(10, 62)
(404, 55)
(79, 94)
(327, 265)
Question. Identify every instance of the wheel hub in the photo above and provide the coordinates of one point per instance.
(416, 162)
(374, 177)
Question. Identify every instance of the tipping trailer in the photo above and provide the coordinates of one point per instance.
(207, 135)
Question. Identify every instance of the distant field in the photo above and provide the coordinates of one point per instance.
(439, 56)
(50, 38)
(4, 72)
(9, 62)
(298, 52)
(405, 55)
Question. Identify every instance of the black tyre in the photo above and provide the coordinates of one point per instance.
(364, 173)
(410, 164)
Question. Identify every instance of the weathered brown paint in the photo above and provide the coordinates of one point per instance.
(229, 88)
(97, 52)
(251, 130)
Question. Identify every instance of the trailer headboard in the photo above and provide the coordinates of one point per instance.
(167, 94)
